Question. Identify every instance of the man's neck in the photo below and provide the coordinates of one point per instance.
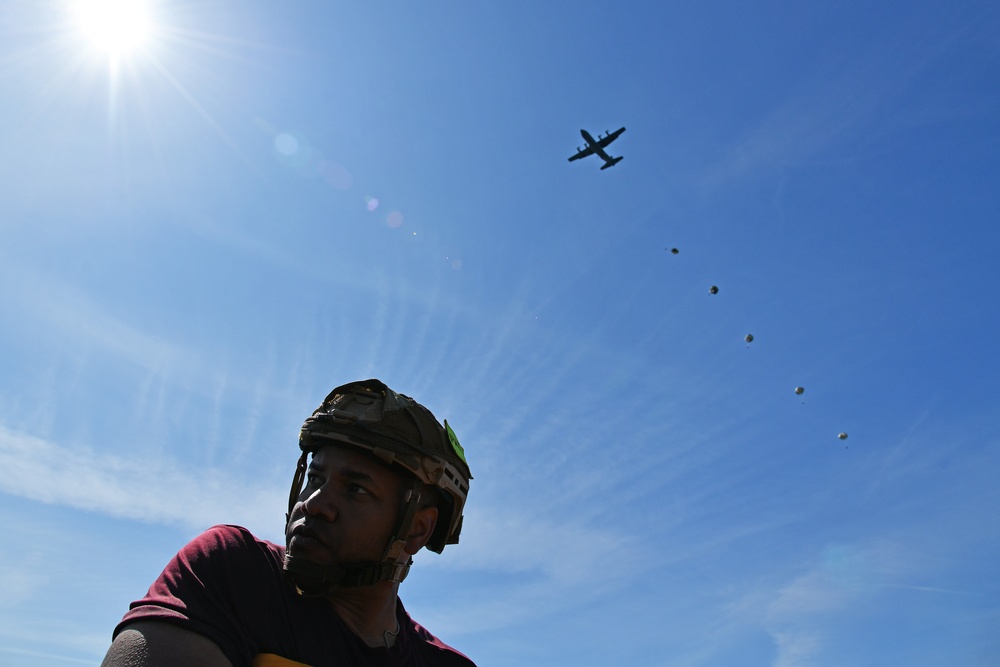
(368, 611)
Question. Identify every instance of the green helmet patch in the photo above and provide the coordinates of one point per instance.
(453, 439)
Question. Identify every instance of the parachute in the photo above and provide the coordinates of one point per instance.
(799, 390)
(713, 290)
(842, 435)
(748, 338)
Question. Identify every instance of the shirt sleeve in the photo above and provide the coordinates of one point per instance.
(204, 589)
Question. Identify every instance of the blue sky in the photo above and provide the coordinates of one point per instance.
(264, 200)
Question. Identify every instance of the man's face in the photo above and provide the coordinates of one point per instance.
(347, 508)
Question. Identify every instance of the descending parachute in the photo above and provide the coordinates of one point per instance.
(799, 390)
(674, 250)
(748, 338)
(713, 290)
(842, 435)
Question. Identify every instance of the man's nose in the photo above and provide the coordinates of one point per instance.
(320, 504)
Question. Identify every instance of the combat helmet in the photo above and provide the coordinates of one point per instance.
(404, 435)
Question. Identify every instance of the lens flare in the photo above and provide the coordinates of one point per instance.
(286, 144)
(336, 175)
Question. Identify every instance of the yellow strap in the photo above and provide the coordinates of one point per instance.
(272, 660)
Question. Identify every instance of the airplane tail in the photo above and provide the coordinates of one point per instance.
(612, 162)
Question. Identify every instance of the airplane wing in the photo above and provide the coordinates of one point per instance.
(582, 153)
(608, 138)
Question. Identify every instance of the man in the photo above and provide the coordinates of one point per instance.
(384, 480)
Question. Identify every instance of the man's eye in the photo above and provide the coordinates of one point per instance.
(312, 479)
(360, 490)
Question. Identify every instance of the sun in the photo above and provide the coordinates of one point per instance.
(115, 27)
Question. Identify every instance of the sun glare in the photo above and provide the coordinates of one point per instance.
(114, 26)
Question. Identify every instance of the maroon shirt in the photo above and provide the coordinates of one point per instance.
(228, 586)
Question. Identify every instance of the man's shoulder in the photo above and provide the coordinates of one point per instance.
(225, 556)
(228, 539)
(225, 585)
(433, 649)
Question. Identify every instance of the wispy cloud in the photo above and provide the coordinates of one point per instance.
(17, 585)
(853, 90)
(158, 491)
(796, 649)
(58, 307)
(546, 560)
(798, 614)
(52, 657)
(806, 616)
(519, 541)
(80, 330)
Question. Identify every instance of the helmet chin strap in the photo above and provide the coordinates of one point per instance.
(315, 580)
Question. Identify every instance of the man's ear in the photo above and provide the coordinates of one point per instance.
(421, 530)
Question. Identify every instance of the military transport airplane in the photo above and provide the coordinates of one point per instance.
(597, 146)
